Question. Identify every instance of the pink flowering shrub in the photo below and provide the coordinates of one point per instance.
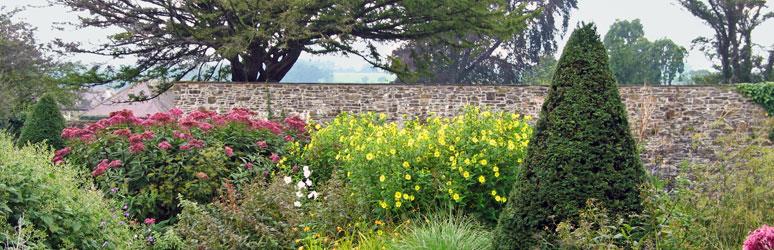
(147, 162)
(760, 239)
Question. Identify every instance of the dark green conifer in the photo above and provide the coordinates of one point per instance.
(44, 123)
(581, 149)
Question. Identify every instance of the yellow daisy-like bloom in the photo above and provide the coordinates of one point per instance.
(398, 195)
(467, 161)
(494, 192)
(407, 177)
(497, 174)
(483, 162)
(456, 197)
(369, 156)
(381, 178)
(416, 187)
(379, 232)
(466, 174)
(481, 179)
(397, 204)
(497, 198)
(382, 116)
(383, 204)
(451, 191)
(496, 169)
(405, 196)
(503, 200)
(393, 151)
(406, 164)
(306, 229)
(448, 183)
(411, 198)
(437, 154)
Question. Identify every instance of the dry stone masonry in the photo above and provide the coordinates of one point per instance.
(674, 124)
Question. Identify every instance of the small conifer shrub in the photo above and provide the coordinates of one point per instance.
(582, 149)
(44, 123)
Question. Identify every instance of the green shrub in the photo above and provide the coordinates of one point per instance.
(761, 93)
(261, 217)
(43, 206)
(44, 123)
(582, 149)
(445, 232)
(468, 162)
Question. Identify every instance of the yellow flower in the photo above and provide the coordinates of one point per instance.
(496, 169)
(378, 222)
(398, 195)
(379, 232)
(406, 164)
(466, 174)
(456, 197)
(405, 196)
(529, 117)
(306, 229)
(416, 187)
(382, 116)
(381, 178)
(497, 174)
(497, 198)
(494, 192)
(519, 160)
(451, 191)
(397, 204)
(383, 204)
(369, 156)
(392, 151)
(467, 161)
(437, 154)
(483, 162)
(411, 198)
(503, 200)
(407, 177)
(452, 148)
(317, 126)
(481, 179)
(448, 183)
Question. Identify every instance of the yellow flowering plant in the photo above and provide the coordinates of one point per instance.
(468, 162)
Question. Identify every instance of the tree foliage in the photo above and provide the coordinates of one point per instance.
(44, 123)
(260, 40)
(581, 149)
(733, 22)
(634, 59)
(481, 59)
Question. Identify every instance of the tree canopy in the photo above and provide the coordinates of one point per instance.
(483, 59)
(635, 59)
(733, 22)
(260, 40)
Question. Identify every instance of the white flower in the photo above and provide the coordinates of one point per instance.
(300, 185)
(308, 182)
(297, 204)
(299, 194)
(288, 180)
(312, 195)
(307, 172)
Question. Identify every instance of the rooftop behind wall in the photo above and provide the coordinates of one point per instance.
(676, 123)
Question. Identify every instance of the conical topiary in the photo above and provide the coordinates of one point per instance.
(581, 149)
(44, 123)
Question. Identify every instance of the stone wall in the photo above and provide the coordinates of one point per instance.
(674, 123)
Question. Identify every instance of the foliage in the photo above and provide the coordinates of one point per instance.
(44, 123)
(309, 72)
(44, 206)
(486, 59)
(634, 59)
(705, 77)
(259, 40)
(542, 73)
(467, 162)
(148, 162)
(710, 206)
(445, 232)
(733, 23)
(262, 217)
(582, 149)
(761, 93)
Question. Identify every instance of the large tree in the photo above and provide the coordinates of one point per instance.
(635, 59)
(260, 40)
(733, 22)
(483, 59)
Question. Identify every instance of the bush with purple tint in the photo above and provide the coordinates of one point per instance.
(147, 162)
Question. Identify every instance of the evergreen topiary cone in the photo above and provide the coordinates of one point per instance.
(44, 123)
(581, 149)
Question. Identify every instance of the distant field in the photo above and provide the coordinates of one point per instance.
(363, 77)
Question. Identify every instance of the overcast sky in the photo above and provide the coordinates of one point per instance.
(660, 18)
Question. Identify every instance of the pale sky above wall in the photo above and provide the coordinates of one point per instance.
(661, 18)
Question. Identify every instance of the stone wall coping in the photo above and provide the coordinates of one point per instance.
(451, 85)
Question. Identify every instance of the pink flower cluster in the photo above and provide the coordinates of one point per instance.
(104, 165)
(760, 239)
(59, 155)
